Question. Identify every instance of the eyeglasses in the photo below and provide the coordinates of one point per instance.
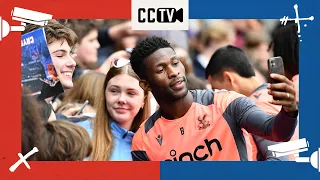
(118, 63)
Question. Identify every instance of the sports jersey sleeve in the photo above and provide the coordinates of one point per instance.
(138, 152)
(256, 121)
(266, 155)
(268, 108)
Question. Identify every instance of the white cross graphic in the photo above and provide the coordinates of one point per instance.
(23, 159)
(297, 20)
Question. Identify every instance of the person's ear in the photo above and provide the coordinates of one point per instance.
(144, 85)
(145, 98)
(228, 76)
(210, 80)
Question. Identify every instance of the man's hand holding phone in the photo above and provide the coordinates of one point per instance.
(283, 94)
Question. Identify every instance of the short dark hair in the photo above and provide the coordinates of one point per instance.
(232, 58)
(285, 43)
(81, 27)
(143, 50)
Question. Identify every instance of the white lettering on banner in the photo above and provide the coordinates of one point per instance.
(27, 41)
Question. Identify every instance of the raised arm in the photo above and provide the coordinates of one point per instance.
(250, 117)
(247, 115)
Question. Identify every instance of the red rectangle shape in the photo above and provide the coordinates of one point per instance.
(84, 170)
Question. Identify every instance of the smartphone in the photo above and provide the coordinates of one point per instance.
(82, 107)
(275, 66)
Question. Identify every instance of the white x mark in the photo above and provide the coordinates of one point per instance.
(23, 159)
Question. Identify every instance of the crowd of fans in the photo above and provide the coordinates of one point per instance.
(140, 85)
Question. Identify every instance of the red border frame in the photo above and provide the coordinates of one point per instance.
(10, 128)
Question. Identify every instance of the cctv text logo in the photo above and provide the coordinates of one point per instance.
(161, 15)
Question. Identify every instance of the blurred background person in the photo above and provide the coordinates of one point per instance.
(193, 81)
(116, 35)
(122, 106)
(218, 34)
(87, 46)
(242, 26)
(256, 47)
(177, 38)
(195, 26)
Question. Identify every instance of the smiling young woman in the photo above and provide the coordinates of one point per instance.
(121, 108)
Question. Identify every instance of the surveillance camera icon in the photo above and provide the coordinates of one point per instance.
(314, 160)
(294, 148)
(25, 16)
(289, 148)
(29, 16)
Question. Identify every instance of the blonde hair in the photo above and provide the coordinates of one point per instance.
(216, 32)
(86, 87)
(102, 137)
